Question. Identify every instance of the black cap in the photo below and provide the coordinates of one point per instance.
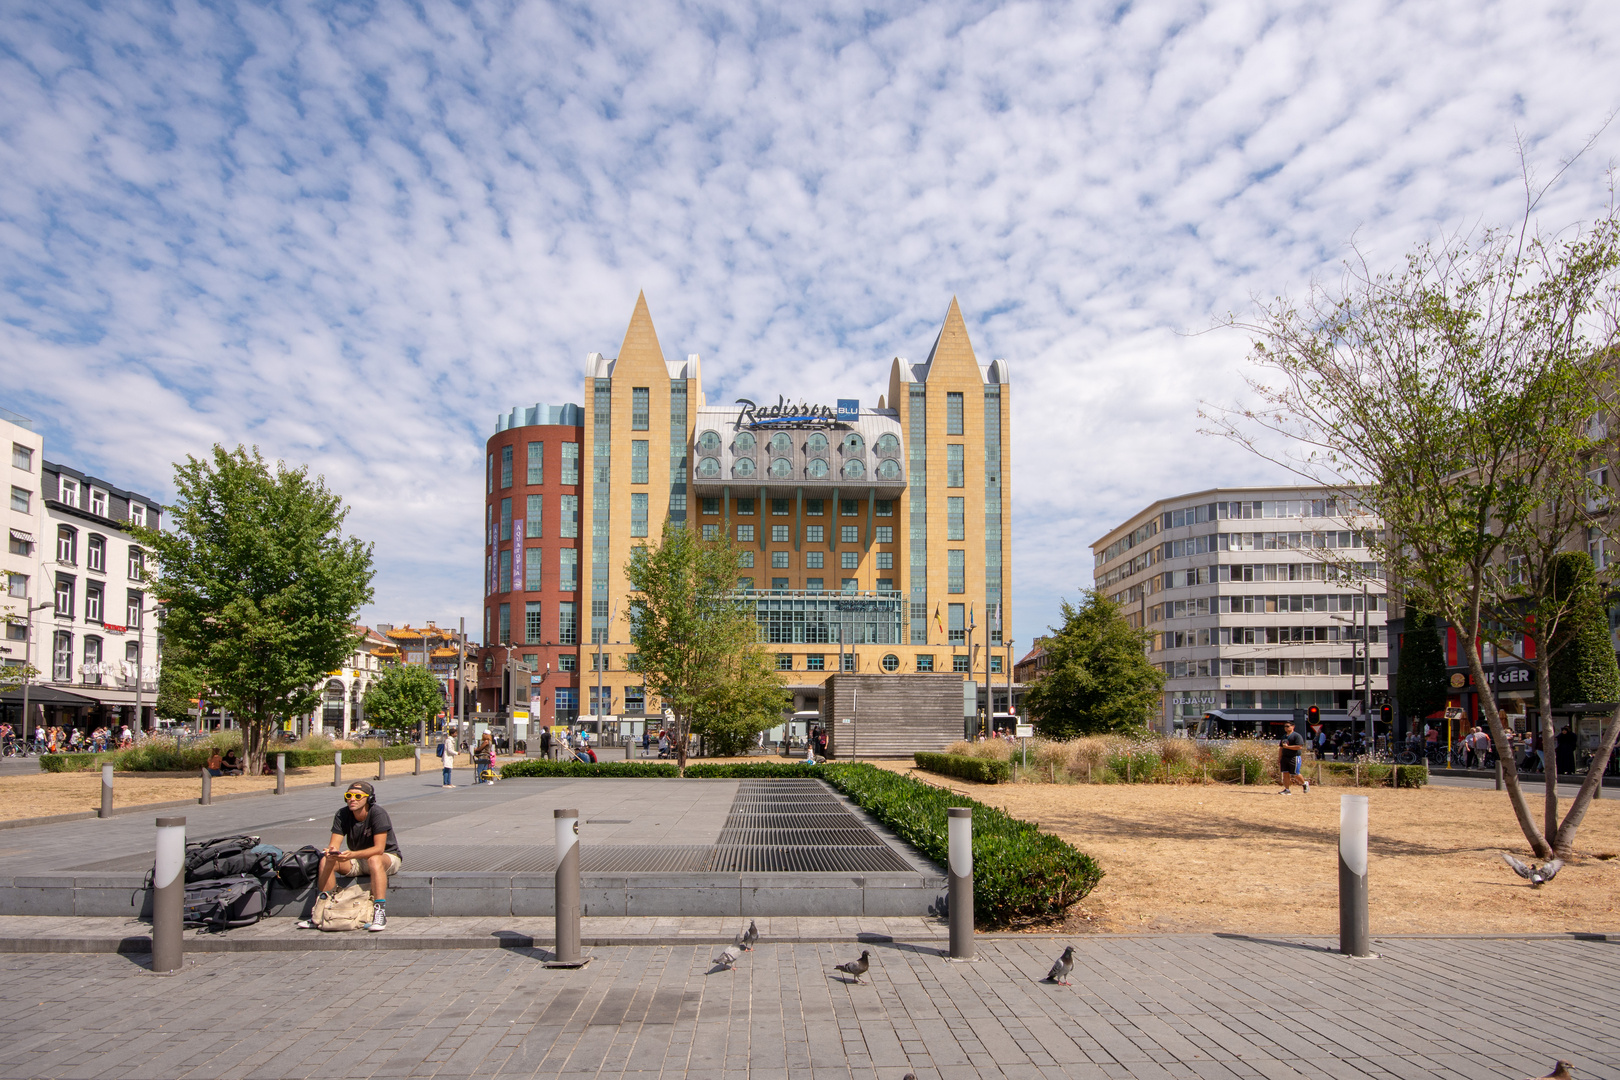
(361, 785)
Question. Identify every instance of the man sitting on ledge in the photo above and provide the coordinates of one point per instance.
(373, 850)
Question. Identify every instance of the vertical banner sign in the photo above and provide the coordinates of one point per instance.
(517, 554)
(849, 410)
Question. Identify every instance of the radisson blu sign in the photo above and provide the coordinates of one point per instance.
(802, 415)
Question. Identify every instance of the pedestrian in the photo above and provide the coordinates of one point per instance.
(663, 744)
(1290, 754)
(373, 850)
(1564, 752)
(484, 759)
(447, 755)
(545, 743)
(646, 741)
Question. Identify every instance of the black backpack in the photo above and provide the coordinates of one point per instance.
(298, 868)
(224, 903)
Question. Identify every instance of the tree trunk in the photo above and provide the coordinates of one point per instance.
(682, 728)
(1564, 842)
(1549, 766)
(1467, 641)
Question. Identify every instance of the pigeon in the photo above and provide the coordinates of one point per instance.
(1562, 1070)
(1537, 876)
(1061, 968)
(858, 968)
(750, 936)
(728, 956)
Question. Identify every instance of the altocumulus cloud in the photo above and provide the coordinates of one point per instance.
(353, 234)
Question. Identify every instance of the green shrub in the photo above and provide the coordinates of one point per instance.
(754, 770)
(542, 767)
(1411, 776)
(1020, 874)
(978, 769)
(1136, 763)
(163, 755)
(1246, 762)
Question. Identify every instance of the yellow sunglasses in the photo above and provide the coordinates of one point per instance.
(351, 795)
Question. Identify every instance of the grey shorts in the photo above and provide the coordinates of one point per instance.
(362, 870)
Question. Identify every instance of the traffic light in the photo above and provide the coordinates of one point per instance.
(1386, 714)
(1313, 715)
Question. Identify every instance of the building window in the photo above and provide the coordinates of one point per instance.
(638, 461)
(98, 503)
(995, 665)
(568, 623)
(955, 518)
(781, 507)
(639, 408)
(779, 560)
(95, 556)
(18, 631)
(20, 499)
(814, 534)
(635, 700)
(885, 560)
(745, 559)
(885, 508)
(536, 473)
(956, 624)
(69, 488)
(570, 463)
(506, 466)
(849, 584)
(784, 662)
(489, 475)
(64, 596)
(885, 534)
(137, 514)
(711, 505)
(566, 703)
(745, 507)
(780, 584)
(925, 663)
(17, 586)
(953, 413)
(62, 657)
(67, 545)
(959, 663)
(815, 507)
(849, 560)
(568, 662)
(956, 572)
(815, 662)
(568, 505)
(504, 580)
(568, 569)
(533, 525)
(506, 519)
(890, 662)
(133, 604)
(954, 466)
(137, 563)
(92, 602)
(849, 534)
(504, 624)
(779, 534)
(849, 507)
(745, 584)
(812, 584)
(533, 627)
(711, 532)
(638, 513)
(745, 533)
(814, 560)
(885, 584)
(531, 569)
(22, 457)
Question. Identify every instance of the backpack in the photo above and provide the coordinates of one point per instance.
(350, 908)
(224, 903)
(297, 869)
(227, 856)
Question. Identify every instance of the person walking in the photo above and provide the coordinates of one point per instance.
(484, 759)
(1564, 751)
(447, 755)
(1290, 758)
(545, 743)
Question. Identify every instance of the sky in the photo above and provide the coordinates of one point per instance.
(352, 234)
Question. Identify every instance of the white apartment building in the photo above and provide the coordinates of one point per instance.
(1259, 600)
(24, 524)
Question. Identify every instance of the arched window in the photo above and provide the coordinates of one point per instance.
(95, 554)
(709, 442)
(853, 469)
(743, 467)
(92, 661)
(888, 469)
(708, 467)
(67, 545)
(781, 468)
(744, 443)
(817, 469)
(853, 443)
(887, 443)
(816, 444)
(781, 443)
(891, 662)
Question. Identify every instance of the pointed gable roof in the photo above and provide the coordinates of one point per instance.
(952, 354)
(641, 351)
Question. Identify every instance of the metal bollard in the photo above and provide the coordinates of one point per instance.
(567, 891)
(418, 762)
(337, 768)
(1498, 774)
(168, 894)
(106, 792)
(281, 774)
(960, 856)
(208, 788)
(1353, 932)
(382, 766)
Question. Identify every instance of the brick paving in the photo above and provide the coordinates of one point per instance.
(1195, 1007)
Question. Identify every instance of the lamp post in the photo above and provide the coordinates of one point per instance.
(140, 640)
(597, 712)
(28, 647)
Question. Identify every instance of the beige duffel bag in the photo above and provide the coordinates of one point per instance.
(350, 908)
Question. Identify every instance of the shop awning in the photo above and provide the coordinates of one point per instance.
(41, 694)
(25, 537)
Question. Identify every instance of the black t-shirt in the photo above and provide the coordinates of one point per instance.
(362, 833)
(1291, 745)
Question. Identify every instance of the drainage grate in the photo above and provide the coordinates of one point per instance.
(801, 860)
(749, 836)
(775, 820)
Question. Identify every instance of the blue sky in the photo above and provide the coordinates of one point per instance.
(352, 234)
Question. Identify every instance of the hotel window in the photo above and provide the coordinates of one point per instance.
(133, 617)
(815, 662)
(849, 560)
(925, 663)
(814, 560)
(137, 563)
(533, 525)
(137, 514)
(67, 545)
(504, 625)
(745, 533)
(956, 571)
(92, 603)
(568, 569)
(570, 463)
(995, 665)
(885, 508)
(568, 662)
(638, 461)
(17, 586)
(20, 499)
(503, 581)
(779, 584)
(885, 560)
(779, 560)
(781, 507)
(711, 532)
(568, 623)
(849, 662)
(953, 466)
(849, 534)
(956, 624)
(506, 519)
(813, 584)
(62, 657)
(959, 663)
(745, 559)
(569, 524)
(849, 507)
(22, 457)
(531, 569)
(533, 622)
(639, 408)
(885, 584)
(489, 475)
(98, 502)
(784, 661)
(18, 631)
(95, 555)
(953, 413)
(638, 513)
(711, 505)
(566, 703)
(849, 584)
(69, 489)
(537, 463)
(955, 518)
(885, 534)
(745, 584)
(635, 700)
(506, 466)
(779, 534)
(815, 507)
(814, 534)
(745, 506)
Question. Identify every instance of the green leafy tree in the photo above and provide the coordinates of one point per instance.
(260, 588)
(749, 700)
(404, 697)
(691, 633)
(1420, 681)
(1583, 667)
(1099, 679)
(179, 684)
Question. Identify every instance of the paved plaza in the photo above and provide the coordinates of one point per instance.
(1153, 1007)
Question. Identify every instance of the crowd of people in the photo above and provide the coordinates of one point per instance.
(57, 740)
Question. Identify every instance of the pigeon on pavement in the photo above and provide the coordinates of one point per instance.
(858, 968)
(728, 956)
(750, 936)
(1562, 1070)
(1537, 876)
(1061, 968)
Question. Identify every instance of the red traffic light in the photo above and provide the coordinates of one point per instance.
(1313, 715)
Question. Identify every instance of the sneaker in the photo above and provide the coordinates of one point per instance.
(1307, 787)
(1285, 791)
(379, 920)
(304, 924)
(449, 785)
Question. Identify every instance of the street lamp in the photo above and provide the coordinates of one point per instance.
(28, 647)
(140, 640)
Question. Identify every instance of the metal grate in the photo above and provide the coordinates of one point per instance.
(815, 860)
(775, 820)
(855, 836)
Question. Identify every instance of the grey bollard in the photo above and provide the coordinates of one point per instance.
(281, 774)
(382, 766)
(337, 768)
(1354, 939)
(418, 771)
(168, 894)
(208, 789)
(106, 792)
(960, 857)
(1498, 774)
(567, 891)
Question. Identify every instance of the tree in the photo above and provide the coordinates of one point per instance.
(691, 633)
(1583, 668)
(259, 586)
(403, 698)
(1420, 681)
(1454, 399)
(1099, 679)
(749, 700)
(179, 685)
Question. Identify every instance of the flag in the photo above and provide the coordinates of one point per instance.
(972, 622)
(995, 617)
(937, 623)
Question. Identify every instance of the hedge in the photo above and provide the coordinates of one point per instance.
(192, 758)
(698, 770)
(963, 767)
(1376, 774)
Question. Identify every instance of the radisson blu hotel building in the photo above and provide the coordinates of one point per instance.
(873, 535)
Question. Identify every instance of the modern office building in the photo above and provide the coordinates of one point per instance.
(875, 533)
(1257, 599)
